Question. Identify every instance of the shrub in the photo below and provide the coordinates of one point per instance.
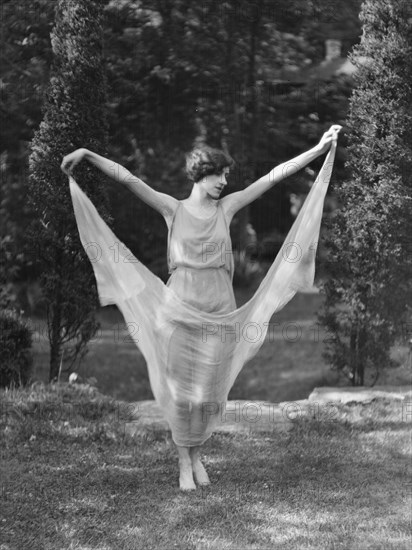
(16, 360)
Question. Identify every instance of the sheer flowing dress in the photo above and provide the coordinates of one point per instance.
(193, 337)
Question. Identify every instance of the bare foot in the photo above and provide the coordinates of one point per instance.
(186, 482)
(200, 473)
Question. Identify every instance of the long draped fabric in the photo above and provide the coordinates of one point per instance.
(193, 357)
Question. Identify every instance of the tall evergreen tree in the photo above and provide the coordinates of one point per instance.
(74, 115)
(369, 244)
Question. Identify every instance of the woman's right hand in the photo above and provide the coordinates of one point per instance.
(328, 138)
(72, 159)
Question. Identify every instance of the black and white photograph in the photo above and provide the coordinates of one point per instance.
(206, 275)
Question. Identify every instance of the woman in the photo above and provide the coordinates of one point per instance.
(201, 267)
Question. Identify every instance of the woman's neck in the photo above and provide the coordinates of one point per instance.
(200, 199)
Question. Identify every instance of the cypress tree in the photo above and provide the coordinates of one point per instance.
(74, 115)
(369, 241)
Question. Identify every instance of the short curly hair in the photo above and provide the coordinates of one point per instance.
(205, 161)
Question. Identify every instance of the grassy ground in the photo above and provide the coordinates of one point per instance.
(72, 479)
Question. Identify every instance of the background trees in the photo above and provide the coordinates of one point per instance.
(182, 72)
(369, 263)
(178, 72)
(239, 75)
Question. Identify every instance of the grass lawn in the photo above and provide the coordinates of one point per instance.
(72, 479)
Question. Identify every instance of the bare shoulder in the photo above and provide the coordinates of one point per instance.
(169, 204)
(230, 205)
(169, 207)
(162, 202)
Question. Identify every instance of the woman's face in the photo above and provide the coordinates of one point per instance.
(214, 184)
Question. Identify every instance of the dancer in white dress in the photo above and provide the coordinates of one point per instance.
(190, 332)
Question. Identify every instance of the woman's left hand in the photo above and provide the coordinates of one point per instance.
(328, 137)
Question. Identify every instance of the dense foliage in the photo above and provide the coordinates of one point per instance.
(370, 260)
(183, 72)
(15, 349)
(74, 116)
(178, 72)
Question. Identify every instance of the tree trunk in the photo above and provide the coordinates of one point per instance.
(55, 341)
(55, 320)
(252, 128)
(357, 355)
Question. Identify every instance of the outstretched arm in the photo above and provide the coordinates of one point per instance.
(235, 201)
(165, 204)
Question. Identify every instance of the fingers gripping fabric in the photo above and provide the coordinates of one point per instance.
(194, 356)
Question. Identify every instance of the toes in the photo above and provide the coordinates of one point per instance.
(200, 474)
(186, 481)
(187, 485)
